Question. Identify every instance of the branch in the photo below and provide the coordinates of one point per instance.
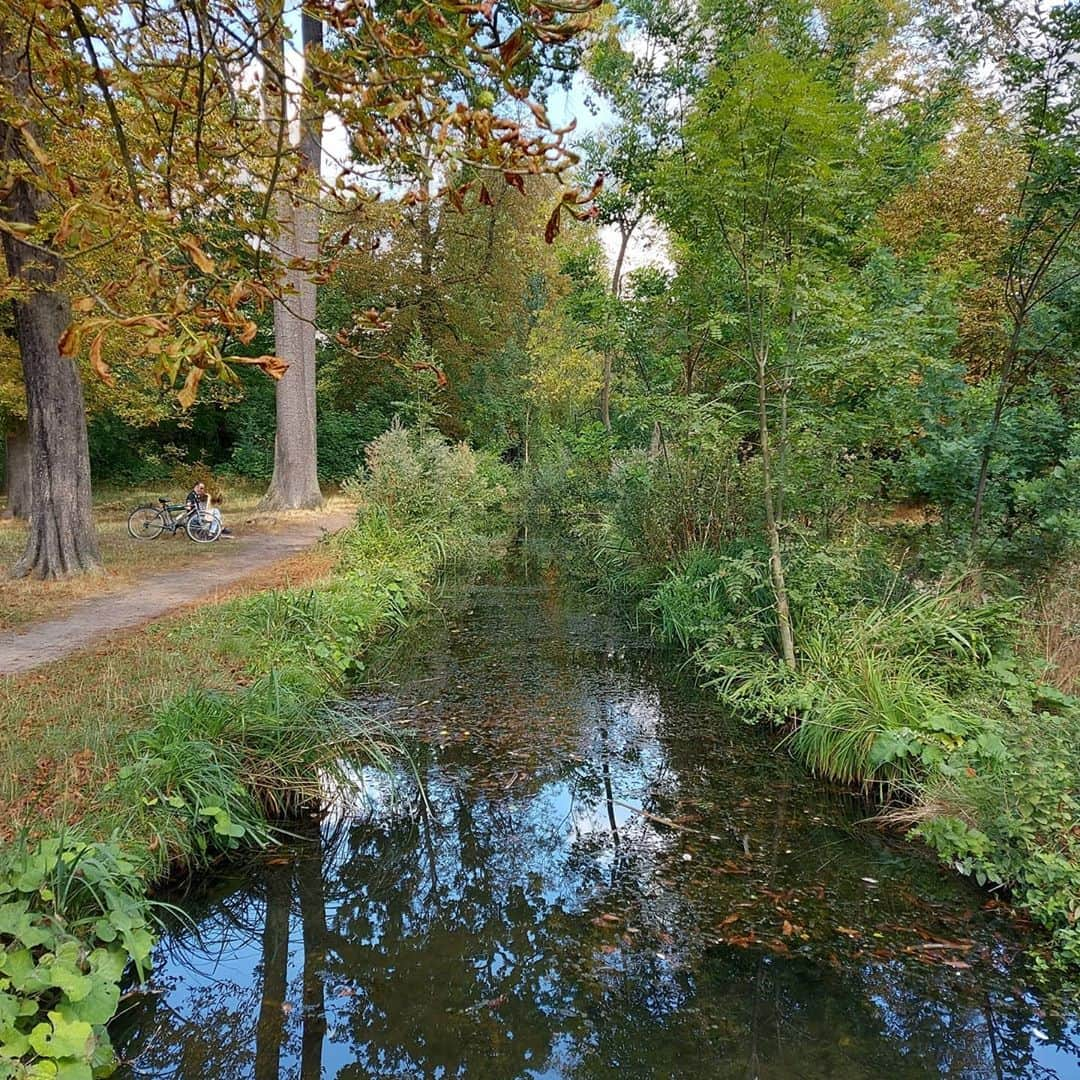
(103, 85)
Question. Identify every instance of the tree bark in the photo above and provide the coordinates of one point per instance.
(17, 471)
(61, 540)
(295, 480)
(776, 562)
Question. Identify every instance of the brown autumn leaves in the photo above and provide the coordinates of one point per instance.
(145, 137)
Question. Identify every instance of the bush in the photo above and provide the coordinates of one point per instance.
(1014, 824)
(418, 479)
(73, 916)
(1032, 504)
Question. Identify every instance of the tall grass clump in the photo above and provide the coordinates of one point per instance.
(216, 771)
(422, 483)
(891, 680)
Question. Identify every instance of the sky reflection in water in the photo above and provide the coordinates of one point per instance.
(540, 925)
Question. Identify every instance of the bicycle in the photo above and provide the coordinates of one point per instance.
(149, 522)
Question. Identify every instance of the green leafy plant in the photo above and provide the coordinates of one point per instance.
(73, 917)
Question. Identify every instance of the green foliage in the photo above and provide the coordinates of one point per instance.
(214, 770)
(420, 481)
(73, 916)
(1014, 824)
(1033, 498)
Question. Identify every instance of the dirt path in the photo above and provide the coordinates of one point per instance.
(90, 621)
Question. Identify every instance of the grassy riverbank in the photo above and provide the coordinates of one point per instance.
(945, 693)
(207, 729)
(931, 698)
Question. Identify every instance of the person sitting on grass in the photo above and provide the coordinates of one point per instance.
(197, 499)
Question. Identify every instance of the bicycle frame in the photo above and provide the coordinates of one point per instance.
(174, 523)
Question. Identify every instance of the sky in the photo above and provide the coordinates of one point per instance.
(647, 245)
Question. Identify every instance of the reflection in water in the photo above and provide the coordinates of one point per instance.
(613, 881)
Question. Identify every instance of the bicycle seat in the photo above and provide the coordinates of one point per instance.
(164, 502)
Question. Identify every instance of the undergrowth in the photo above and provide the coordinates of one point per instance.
(929, 694)
(915, 692)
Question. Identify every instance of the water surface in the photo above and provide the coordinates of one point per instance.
(614, 880)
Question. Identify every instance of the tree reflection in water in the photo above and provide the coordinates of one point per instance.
(536, 925)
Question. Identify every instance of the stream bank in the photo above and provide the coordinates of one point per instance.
(615, 879)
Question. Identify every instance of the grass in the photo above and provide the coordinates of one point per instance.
(66, 728)
(62, 726)
(1054, 627)
(179, 744)
(127, 560)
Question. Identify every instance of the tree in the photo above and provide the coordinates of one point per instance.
(295, 480)
(62, 537)
(192, 174)
(769, 137)
(1039, 61)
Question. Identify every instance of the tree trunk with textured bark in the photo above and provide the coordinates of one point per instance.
(61, 540)
(295, 481)
(17, 471)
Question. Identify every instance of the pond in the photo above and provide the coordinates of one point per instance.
(613, 879)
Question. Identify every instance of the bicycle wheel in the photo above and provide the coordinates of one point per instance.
(203, 528)
(145, 523)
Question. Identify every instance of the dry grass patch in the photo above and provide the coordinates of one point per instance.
(1055, 624)
(61, 725)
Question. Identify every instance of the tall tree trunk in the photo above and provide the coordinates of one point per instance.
(295, 481)
(776, 562)
(61, 540)
(17, 471)
(626, 230)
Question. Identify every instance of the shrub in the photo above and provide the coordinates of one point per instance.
(418, 479)
(1032, 507)
(73, 916)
